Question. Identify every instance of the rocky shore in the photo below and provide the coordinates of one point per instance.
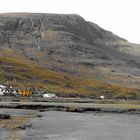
(73, 107)
(68, 121)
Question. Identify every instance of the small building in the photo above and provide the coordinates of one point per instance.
(102, 97)
(24, 92)
(50, 96)
(2, 89)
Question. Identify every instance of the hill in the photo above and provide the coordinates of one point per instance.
(67, 55)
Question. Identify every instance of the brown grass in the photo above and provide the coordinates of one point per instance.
(14, 122)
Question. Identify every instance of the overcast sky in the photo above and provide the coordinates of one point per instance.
(122, 17)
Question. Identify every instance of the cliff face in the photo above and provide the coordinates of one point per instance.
(70, 45)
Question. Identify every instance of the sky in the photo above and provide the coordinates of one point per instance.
(118, 16)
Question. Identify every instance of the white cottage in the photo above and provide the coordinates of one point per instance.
(50, 96)
(2, 89)
(102, 97)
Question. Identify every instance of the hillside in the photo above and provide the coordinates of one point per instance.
(67, 55)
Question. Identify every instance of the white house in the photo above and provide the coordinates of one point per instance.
(102, 97)
(50, 96)
(2, 89)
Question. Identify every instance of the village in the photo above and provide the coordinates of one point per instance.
(11, 91)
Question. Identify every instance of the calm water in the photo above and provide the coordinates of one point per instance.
(55, 125)
(78, 126)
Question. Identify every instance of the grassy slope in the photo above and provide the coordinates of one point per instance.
(18, 70)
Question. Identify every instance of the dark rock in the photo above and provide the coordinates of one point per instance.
(25, 126)
(5, 116)
(39, 115)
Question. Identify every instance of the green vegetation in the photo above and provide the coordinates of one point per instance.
(19, 71)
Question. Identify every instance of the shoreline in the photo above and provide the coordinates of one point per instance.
(73, 107)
